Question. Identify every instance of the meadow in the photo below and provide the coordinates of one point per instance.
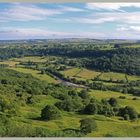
(36, 74)
(86, 74)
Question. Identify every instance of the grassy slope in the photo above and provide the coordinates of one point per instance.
(108, 94)
(71, 121)
(111, 126)
(36, 74)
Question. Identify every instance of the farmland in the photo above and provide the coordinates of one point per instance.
(36, 79)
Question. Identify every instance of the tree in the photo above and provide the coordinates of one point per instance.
(66, 105)
(117, 45)
(91, 108)
(128, 111)
(50, 112)
(72, 93)
(112, 101)
(126, 117)
(87, 125)
(84, 94)
(70, 104)
(42, 72)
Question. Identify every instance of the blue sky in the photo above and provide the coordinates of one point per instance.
(69, 20)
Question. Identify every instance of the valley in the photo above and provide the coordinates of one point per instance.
(76, 81)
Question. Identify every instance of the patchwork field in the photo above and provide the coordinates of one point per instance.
(90, 74)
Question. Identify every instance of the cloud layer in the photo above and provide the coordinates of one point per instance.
(92, 20)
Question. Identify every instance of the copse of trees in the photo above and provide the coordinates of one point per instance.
(128, 113)
(21, 82)
(109, 107)
(70, 104)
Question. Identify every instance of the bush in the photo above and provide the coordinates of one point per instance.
(69, 105)
(91, 108)
(87, 125)
(126, 117)
(128, 111)
(84, 94)
(50, 112)
(135, 98)
(66, 105)
(112, 101)
(122, 97)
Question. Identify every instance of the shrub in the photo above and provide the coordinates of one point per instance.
(87, 125)
(84, 94)
(69, 105)
(50, 112)
(126, 117)
(135, 98)
(128, 111)
(66, 105)
(91, 108)
(112, 101)
(122, 97)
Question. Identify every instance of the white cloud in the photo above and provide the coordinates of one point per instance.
(70, 9)
(110, 6)
(18, 12)
(99, 18)
(30, 12)
(130, 28)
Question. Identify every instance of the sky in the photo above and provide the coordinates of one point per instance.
(69, 20)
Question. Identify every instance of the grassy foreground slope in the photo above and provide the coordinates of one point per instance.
(26, 122)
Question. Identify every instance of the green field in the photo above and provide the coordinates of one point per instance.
(117, 76)
(31, 58)
(36, 74)
(91, 74)
(9, 63)
(108, 94)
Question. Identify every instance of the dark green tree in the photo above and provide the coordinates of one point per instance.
(91, 108)
(87, 125)
(50, 112)
(112, 101)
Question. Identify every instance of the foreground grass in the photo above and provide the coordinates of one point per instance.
(69, 120)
